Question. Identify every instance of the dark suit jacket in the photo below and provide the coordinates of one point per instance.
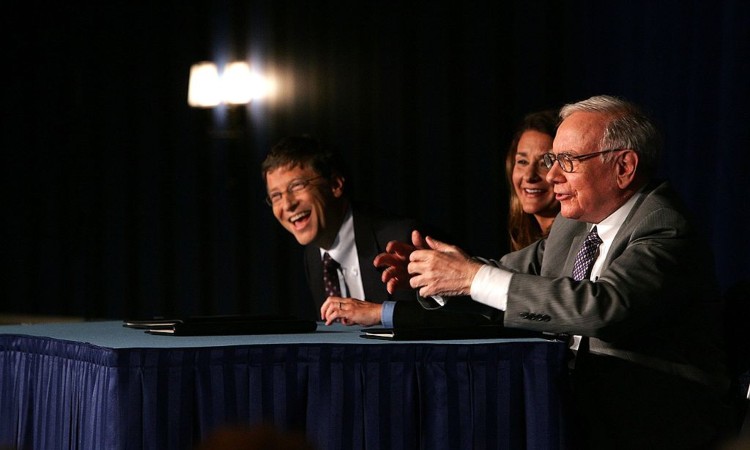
(654, 376)
(373, 229)
(413, 315)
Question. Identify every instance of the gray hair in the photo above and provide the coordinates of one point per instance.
(628, 127)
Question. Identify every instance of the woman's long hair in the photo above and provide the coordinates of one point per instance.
(523, 228)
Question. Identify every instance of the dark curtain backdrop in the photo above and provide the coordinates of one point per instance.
(123, 201)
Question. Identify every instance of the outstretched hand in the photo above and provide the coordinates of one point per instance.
(441, 269)
(395, 260)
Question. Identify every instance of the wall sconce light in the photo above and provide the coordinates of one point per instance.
(237, 85)
(203, 89)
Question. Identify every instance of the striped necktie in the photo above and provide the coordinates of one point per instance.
(586, 256)
(582, 271)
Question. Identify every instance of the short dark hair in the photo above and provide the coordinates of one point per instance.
(303, 151)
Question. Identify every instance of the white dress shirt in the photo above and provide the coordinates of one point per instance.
(490, 285)
(344, 251)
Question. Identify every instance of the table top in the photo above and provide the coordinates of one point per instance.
(103, 385)
(112, 334)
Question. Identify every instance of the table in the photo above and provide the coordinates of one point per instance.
(98, 385)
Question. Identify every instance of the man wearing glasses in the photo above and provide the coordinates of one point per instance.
(305, 184)
(622, 272)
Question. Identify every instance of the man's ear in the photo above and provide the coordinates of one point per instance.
(337, 185)
(626, 166)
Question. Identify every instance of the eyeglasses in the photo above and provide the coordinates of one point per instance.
(565, 159)
(294, 187)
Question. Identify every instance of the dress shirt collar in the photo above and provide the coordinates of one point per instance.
(607, 230)
(344, 242)
(344, 251)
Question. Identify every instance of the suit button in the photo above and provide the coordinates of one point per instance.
(546, 318)
(524, 315)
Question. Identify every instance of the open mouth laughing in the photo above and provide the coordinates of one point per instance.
(300, 219)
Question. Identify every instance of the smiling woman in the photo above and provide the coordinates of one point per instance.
(532, 201)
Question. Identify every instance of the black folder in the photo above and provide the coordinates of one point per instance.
(445, 333)
(224, 325)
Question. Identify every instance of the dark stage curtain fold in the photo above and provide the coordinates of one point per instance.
(122, 201)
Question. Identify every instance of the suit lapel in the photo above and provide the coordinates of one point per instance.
(314, 272)
(622, 238)
(367, 249)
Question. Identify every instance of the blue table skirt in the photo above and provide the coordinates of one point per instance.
(342, 391)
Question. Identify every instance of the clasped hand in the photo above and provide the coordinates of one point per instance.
(432, 266)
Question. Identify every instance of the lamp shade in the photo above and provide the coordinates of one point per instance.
(237, 84)
(204, 89)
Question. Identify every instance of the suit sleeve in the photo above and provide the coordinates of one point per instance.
(651, 274)
(411, 314)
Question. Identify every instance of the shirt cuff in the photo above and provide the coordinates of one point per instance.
(490, 287)
(386, 314)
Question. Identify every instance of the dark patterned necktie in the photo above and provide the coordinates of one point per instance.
(581, 271)
(586, 256)
(331, 276)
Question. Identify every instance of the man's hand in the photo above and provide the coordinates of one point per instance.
(350, 311)
(442, 269)
(395, 260)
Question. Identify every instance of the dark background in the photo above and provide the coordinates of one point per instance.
(123, 201)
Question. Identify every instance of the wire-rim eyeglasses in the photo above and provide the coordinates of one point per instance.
(565, 159)
(293, 187)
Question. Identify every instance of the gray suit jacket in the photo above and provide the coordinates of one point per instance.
(655, 375)
(656, 302)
